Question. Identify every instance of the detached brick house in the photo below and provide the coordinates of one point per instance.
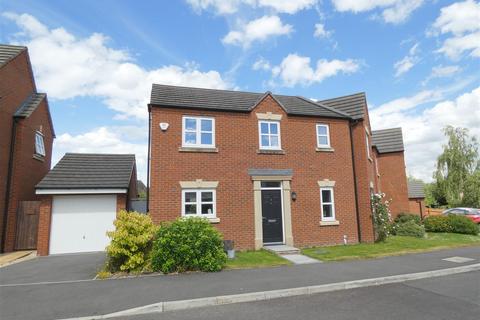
(264, 168)
(26, 137)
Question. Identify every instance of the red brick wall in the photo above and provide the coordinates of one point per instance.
(394, 181)
(27, 171)
(121, 202)
(237, 141)
(44, 223)
(417, 206)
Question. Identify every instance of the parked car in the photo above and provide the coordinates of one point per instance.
(471, 213)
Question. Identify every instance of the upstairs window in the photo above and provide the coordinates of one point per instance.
(368, 145)
(327, 204)
(39, 145)
(323, 136)
(198, 132)
(199, 203)
(269, 135)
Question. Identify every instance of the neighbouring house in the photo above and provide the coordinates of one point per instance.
(392, 179)
(265, 168)
(416, 198)
(26, 137)
(80, 198)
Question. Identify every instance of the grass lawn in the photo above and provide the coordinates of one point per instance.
(255, 259)
(396, 245)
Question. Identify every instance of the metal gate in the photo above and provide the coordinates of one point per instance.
(27, 225)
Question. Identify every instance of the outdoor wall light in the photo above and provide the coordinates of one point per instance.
(164, 126)
(294, 196)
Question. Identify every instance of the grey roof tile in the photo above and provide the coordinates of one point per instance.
(354, 105)
(239, 101)
(8, 52)
(90, 171)
(388, 140)
(416, 189)
(29, 105)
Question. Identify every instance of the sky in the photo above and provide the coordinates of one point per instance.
(418, 61)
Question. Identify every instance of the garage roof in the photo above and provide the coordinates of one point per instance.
(416, 189)
(90, 171)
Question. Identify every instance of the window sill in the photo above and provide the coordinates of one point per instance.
(329, 223)
(193, 149)
(39, 157)
(265, 151)
(324, 149)
(214, 220)
(370, 159)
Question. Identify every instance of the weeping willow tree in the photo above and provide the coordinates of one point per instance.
(457, 169)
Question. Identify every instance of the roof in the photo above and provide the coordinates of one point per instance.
(416, 189)
(90, 171)
(8, 52)
(354, 105)
(29, 105)
(388, 140)
(239, 101)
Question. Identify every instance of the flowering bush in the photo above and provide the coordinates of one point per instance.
(381, 216)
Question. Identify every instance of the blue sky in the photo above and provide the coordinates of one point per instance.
(417, 61)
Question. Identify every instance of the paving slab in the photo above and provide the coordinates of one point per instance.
(299, 258)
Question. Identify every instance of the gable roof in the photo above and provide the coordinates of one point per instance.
(238, 101)
(354, 105)
(388, 140)
(416, 189)
(90, 171)
(8, 52)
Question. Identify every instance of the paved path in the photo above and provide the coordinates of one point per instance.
(64, 300)
(448, 298)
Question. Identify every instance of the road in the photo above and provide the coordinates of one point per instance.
(450, 297)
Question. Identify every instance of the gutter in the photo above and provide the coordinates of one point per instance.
(357, 213)
(9, 182)
(148, 156)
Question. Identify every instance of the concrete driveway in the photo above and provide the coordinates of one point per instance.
(55, 268)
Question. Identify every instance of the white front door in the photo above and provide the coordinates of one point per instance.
(80, 222)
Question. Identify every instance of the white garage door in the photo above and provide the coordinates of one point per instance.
(80, 223)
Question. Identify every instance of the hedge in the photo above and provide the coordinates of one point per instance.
(450, 223)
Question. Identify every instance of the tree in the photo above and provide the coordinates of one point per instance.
(455, 166)
(472, 190)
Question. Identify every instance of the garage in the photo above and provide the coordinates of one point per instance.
(80, 198)
(80, 222)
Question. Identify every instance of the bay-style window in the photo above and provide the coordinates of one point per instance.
(198, 132)
(269, 135)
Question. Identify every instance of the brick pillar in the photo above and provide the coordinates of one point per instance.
(44, 222)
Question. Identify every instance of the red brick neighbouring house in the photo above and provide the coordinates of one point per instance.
(416, 198)
(80, 198)
(263, 168)
(26, 137)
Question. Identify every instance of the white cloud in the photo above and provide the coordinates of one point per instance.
(461, 21)
(225, 7)
(442, 72)
(422, 130)
(295, 69)
(107, 140)
(321, 32)
(261, 64)
(408, 62)
(393, 11)
(66, 67)
(257, 30)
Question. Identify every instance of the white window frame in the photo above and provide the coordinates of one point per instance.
(198, 132)
(39, 144)
(199, 203)
(322, 135)
(269, 122)
(332, 203)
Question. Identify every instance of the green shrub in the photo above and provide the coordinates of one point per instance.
(451, 223)
(405, 217)
(410, 228)
(188, 244)
(131, 241)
